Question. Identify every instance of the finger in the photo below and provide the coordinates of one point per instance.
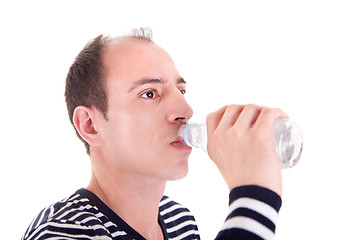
(230, 116)
(213, 119)
(267, 116)
(248, 116)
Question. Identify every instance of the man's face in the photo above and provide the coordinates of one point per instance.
(146, 107)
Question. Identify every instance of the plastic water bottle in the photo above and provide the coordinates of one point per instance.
(287, 135)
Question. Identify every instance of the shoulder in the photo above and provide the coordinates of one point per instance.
(169, 208)
(178, 220)
(69, 217)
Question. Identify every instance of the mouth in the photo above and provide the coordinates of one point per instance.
(179, 143)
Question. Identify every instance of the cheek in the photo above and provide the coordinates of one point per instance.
(141, 143)
(134, 131)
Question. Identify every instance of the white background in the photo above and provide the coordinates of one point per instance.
(301, 56)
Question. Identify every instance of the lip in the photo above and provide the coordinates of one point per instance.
(179, 143)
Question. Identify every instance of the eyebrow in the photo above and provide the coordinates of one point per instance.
(146, 81)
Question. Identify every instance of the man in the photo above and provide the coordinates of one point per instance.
(126, 101)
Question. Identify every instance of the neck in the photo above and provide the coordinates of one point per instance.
(133, 197)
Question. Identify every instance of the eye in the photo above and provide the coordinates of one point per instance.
(150, 94)
(183, 91)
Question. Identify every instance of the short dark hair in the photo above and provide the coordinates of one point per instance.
(84, 82)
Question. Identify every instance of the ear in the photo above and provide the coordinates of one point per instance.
(83, 119)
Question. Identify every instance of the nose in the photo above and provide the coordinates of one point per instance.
(179, 109)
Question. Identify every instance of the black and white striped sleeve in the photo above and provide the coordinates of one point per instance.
(253, 212)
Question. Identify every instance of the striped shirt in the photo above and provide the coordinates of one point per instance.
(252, 215)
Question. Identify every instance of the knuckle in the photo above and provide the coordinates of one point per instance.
(280, 111)
(231, 108)
(273, 112)
(251, 105)
(210, 117)
(235, 107)
(268, 111)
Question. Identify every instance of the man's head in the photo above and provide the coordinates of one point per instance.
(85, 80)
(136, 108)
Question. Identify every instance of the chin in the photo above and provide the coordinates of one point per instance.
(176, 166)
(181, 174)
(178, 172)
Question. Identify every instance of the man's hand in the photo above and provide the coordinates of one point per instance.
(241, 144)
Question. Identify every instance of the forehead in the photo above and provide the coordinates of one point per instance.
(127, 56)
(127, 61)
